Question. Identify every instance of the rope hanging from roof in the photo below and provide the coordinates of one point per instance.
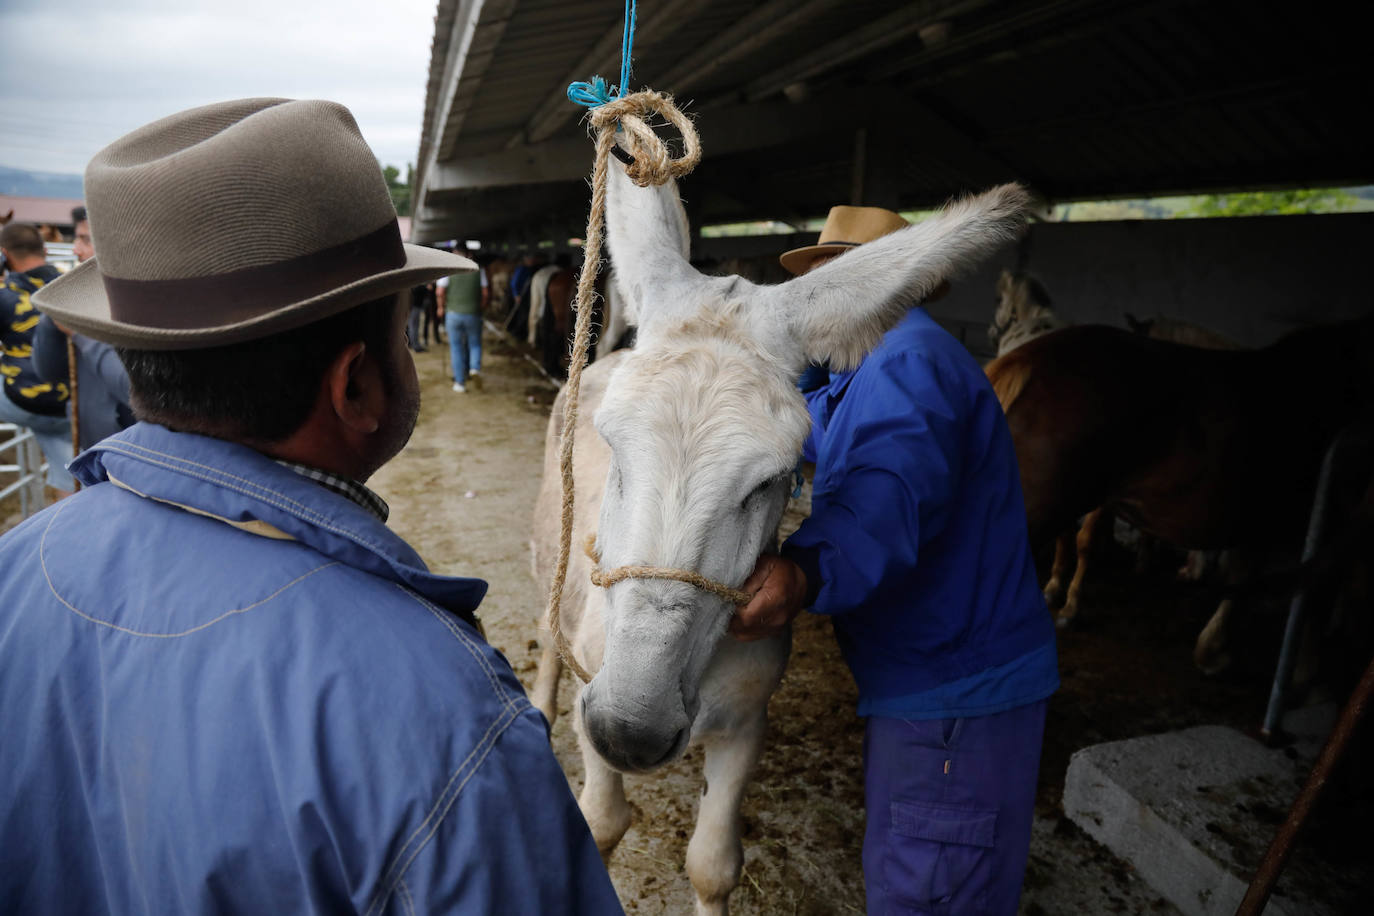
(616, 118)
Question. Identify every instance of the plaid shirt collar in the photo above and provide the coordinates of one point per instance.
(349, 489)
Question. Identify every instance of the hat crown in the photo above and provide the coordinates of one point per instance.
(233, 186)
(846, 225)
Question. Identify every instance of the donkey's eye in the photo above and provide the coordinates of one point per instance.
(759, 492)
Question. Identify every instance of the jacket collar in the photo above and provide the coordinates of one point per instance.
(241, 487)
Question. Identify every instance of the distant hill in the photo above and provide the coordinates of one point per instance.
(21, 183)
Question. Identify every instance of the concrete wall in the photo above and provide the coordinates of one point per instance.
(1251, 279)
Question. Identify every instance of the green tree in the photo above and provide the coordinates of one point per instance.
(400, 190)
(1270, 203)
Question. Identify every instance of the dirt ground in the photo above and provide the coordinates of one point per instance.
(462, 493)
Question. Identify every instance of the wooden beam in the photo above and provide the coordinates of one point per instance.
(604, 57)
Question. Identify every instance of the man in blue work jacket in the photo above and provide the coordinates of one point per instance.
(917, 548)
(227, 686)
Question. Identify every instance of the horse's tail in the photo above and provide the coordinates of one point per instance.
(1009, 375)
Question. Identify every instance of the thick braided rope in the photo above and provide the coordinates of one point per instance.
(653, 164)
(621, 573)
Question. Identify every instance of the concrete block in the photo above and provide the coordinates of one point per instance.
(1193, 812)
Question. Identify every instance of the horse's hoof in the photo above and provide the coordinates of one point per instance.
(1063, 623)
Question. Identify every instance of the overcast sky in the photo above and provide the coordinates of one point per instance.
(78, 74)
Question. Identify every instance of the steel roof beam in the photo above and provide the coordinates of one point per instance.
(873, 37)
(732, 129)
(757, 30)
(604, 57)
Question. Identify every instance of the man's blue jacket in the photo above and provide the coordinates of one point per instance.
(226, 689)
(917, 541)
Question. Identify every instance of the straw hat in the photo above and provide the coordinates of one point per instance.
(845, 227)
(236, 221)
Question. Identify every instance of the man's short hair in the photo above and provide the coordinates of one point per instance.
(257, 391)
(22, 239)
(78, 215)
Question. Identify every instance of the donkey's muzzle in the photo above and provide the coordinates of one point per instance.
(633, 744)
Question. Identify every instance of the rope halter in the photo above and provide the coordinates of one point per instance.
(621, 573)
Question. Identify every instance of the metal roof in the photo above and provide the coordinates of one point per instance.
(802, 104)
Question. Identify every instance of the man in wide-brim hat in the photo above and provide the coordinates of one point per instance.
(228, 686)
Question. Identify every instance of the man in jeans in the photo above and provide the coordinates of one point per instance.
(462, 300)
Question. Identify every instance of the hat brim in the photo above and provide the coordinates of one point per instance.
(77, 301)
(798, 260)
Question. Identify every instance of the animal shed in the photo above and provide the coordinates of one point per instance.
(803, 105)
(806, 103)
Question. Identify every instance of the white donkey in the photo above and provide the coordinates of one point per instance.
(685, 450)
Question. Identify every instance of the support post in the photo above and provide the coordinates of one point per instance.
(1297, 609)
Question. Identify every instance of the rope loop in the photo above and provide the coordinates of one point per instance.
(654, 163)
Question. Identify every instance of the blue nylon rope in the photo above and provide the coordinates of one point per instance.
(596, 93)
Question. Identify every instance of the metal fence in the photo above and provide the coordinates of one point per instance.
(24, 460)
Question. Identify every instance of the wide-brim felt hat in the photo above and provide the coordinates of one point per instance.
(845, 228)
(235, 221)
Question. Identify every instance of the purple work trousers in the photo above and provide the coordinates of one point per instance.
(949, 805)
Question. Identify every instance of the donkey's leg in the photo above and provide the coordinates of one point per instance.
(715, 856)
(545, 693)
(1059, 571)
(1095, 522)
(602, 800)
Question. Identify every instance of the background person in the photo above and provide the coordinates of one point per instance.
(102, 385)
(462, 300)
(30, 400)
(917, 548)
(232, 689)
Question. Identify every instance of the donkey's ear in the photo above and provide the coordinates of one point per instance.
(840, 310)
(649, 242)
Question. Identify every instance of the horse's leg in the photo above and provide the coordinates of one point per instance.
(602, 800)
(1059, 571)
(545, 693)
(1210, 653)
(715, 856)
(1095, 521)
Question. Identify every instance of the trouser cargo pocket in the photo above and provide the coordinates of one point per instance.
(933, 851)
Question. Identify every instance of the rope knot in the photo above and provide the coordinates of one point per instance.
(653, 163)
(591, 94)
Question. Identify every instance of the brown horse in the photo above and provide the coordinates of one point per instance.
(1203, 449)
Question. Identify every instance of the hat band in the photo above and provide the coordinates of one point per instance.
(193, 303)
(838, 242)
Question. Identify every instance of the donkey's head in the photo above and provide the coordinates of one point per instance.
(1020, 297)
(705, 425)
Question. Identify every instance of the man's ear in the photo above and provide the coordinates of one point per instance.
(353, 383)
